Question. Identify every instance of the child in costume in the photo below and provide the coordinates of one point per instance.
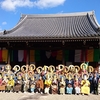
(62, 86)
(39, 85)
(77, 86)
(2, 85)
(69, 88)
(32, 84)
(10, 84)
(5, 81)
(0, 79)
(85, 85)
(54, 86)
(26, 84)
(69, 83)
(18, 84)
(47, 83)
(8, 70)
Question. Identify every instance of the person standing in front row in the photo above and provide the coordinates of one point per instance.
(85, 85)
(95, 82)
(39, 85)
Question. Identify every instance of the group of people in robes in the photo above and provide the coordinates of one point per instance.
(61, 79)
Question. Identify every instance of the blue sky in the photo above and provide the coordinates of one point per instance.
(11, 10)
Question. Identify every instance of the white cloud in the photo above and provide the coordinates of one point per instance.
(11, 5)
(48, 3)
(4, 23)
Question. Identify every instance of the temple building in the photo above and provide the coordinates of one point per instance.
(52, 39)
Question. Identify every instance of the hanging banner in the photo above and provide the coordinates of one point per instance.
(11, 55)
(96, 55)
(20, 55)
(32, 56)
(0, 55)
(37, 55)
(78, 54)
(66, 52)
(89, 55)
(25, 55)
(4, 55)
(59, 55)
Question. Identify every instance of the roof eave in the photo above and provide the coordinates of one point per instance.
(36, 39)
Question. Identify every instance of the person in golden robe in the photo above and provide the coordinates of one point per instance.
(10, 84)
(85, 85)
(47, 84)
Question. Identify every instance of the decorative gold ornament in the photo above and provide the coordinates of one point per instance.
(52, 68)
(76, 75)
(77, 69)
(71, 68)
(23, 68)
(45, 68)
(69, 76)
(16, 68)
(39, 69)
(90, 69)
(48, 76)
(60, 67)
(8, 67)
(30, 73)
(83, 66)
(32, 67)
(66, 69)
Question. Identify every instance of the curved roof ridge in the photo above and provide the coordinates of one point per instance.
(95, 19)
(58, 15)
(17, 25)
(91, 21)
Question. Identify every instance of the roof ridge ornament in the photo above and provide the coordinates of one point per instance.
(4, 32)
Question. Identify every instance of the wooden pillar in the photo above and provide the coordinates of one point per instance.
(8, 60)
(28, 56)
(84, 50)
(63, 59)
(63, 54)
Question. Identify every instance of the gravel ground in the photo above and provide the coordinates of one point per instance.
(30, 96)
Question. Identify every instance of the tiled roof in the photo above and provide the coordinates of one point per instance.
(54, 26)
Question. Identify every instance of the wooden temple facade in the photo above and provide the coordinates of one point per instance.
(52, 39)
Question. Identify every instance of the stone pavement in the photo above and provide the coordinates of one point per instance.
(30, 96)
